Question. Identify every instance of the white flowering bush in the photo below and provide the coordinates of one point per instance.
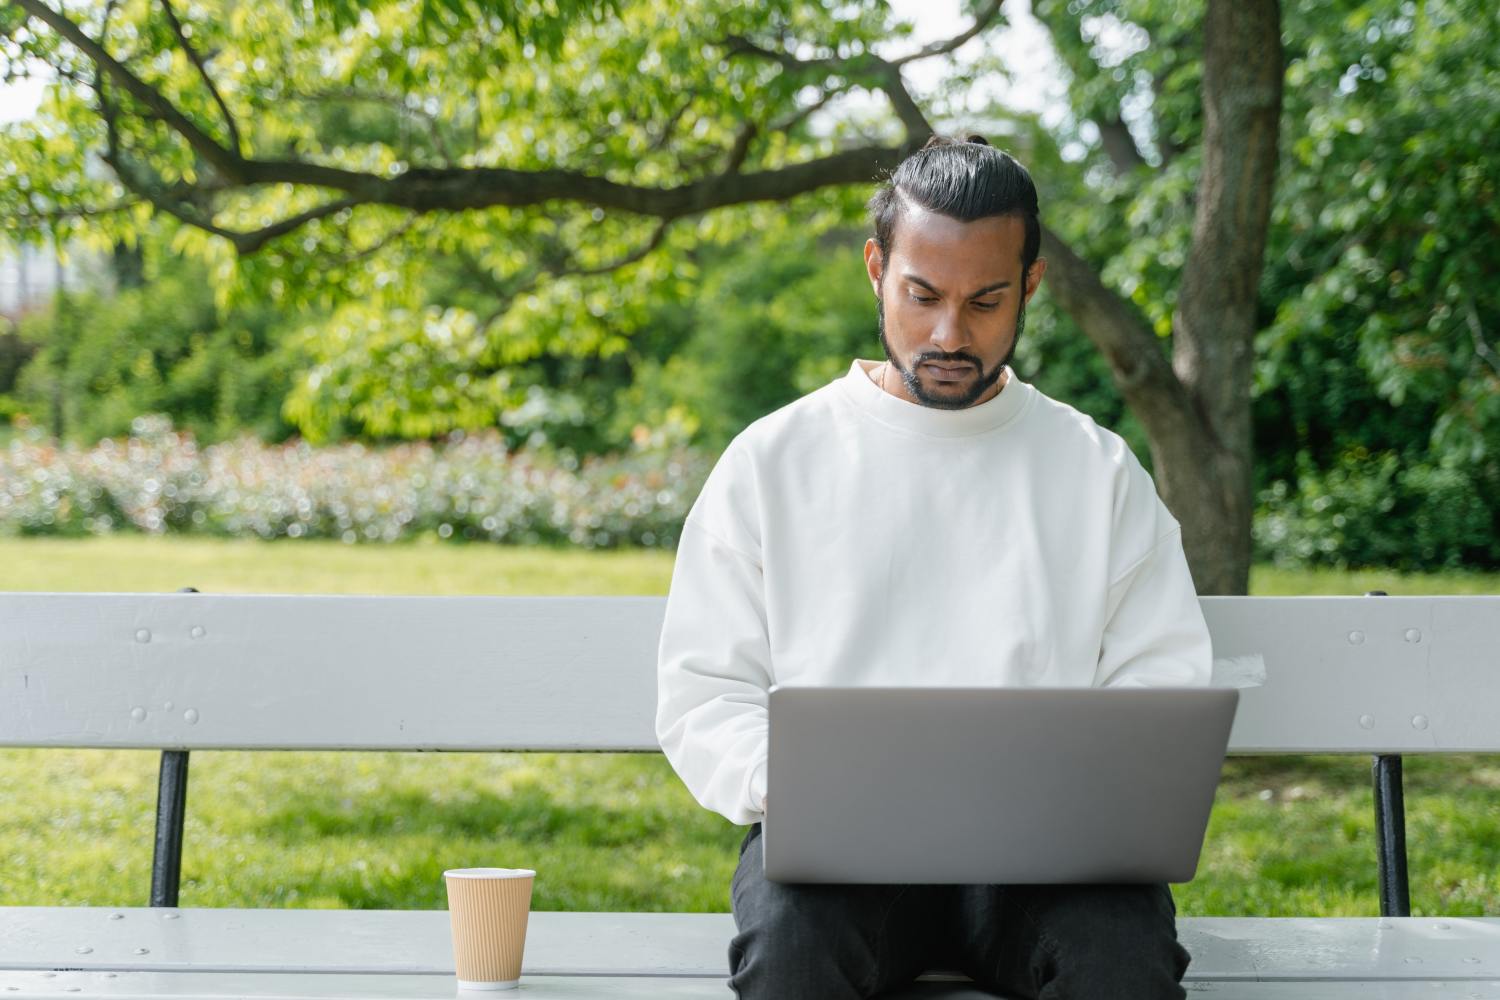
(468, 487)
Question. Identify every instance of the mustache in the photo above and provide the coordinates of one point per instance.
(961, 358)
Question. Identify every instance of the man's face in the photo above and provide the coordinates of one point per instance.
(950, 301)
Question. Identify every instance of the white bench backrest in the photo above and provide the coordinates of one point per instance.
(206, 671)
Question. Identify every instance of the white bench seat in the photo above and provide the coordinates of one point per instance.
(312, 986)
(676, 945)
(376, 941)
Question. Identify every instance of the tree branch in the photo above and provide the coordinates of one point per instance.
(739, 45)
(508, 290)
(182, 39)
(982, 20)
(885, 73)
(379, 244)
(178, 203)
(225, 160)
(905, 105)
(1136, 357)
(885, 76)
(1482, 346)
(452, 189)
(741, 147)
(249, 242)
(654, 241)
(802, 114)
(660, 140)
(1119, 145)
(81, 212)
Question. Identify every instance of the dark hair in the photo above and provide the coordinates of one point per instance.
(965, 179)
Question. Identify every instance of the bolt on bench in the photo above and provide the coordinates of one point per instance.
(1372, 675)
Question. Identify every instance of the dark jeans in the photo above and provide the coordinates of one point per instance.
(851, 942)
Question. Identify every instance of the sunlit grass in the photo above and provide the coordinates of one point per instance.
(1289, 835)
(144, 564)
(1271, 580)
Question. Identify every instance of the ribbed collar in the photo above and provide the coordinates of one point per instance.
(998, 411)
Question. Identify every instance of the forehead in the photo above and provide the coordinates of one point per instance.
(944, 250)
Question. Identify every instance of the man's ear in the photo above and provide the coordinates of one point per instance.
(1034, 276)
(874, 264)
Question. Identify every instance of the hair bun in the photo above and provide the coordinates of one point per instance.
(975, 137)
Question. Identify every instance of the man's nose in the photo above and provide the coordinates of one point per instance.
(950, 334)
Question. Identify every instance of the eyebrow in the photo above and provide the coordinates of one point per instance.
(973, 295)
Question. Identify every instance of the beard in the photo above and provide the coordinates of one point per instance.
(943, 400)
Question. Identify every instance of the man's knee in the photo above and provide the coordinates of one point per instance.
(1110, 941)
(801, 942)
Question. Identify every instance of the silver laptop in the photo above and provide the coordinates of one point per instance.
(992, 785)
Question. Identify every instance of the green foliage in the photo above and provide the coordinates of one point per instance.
(101, 359)
(1378, 365)
(1375, 510)
(639, 92)
(776, 317)
(1378, 381)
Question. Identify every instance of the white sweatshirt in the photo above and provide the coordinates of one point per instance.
(853, 538)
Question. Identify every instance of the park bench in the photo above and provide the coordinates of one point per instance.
(1372, 675)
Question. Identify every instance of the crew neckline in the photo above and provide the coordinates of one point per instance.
(998, 411)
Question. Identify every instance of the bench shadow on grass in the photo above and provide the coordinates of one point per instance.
(595, 856)
(529, 813)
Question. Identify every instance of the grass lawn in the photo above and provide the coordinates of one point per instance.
(1289, 835)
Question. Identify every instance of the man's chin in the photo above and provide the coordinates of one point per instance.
(947, 388)
(948, 395)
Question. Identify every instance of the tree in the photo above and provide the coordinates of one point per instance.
(559, 143)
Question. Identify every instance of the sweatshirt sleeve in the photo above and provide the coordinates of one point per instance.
(1154, 632)
(714, 660)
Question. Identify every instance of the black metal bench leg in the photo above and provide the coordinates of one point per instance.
(1390, 829)
(171, 808)
(1390, 836)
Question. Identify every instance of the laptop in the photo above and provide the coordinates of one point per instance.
(992, 785)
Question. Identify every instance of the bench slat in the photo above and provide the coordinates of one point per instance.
(1368, 990)
(353, 941)
(313, 986)
(1358, 674)
(27, 985)
(675, 944)
(328, 672)
(1366, 674)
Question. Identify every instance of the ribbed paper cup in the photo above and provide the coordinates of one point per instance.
(488, 908)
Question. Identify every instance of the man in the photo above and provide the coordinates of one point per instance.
(928, 521)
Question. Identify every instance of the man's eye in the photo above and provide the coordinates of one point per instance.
(986, 305)
(923, 298)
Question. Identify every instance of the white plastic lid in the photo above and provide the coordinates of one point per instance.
(489, 873)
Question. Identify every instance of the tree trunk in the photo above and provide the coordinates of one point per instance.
(1196, 408)
(1213, 329)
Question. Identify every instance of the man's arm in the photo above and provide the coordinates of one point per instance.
(1154, 632)
(713, 675)
(1155, 635)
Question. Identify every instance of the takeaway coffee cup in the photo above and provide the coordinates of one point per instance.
(488, 908)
